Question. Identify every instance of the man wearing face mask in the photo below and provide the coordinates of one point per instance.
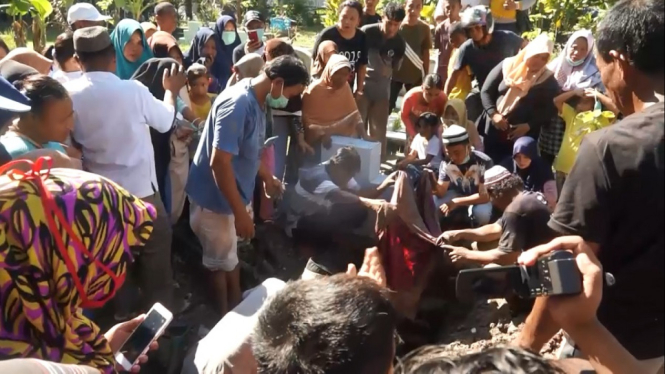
(255, 25)
(222, 177)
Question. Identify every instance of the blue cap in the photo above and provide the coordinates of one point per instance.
(11, 99)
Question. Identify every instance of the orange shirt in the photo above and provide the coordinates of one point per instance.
(414, 105)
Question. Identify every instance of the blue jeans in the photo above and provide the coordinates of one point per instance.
(480, 214)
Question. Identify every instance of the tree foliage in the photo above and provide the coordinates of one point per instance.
(561, 18)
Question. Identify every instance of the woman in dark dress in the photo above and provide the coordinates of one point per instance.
(518, 99)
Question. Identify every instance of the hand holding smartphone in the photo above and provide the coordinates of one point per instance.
(253, 36)
(137, 344)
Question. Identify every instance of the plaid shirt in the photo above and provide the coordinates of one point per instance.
(551, 137)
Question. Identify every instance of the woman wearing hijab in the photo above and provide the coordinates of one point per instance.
(326, 49)
(328, 106)
(131, 47)
(228, 39)
(67, 235)
(574, 69)
(455, 114)
(536, 174)
(204, 50)
(518, 98)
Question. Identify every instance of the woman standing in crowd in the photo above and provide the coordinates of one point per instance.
(574, 69)
(69, 235)
(511, 92)
(326, 49)
(226, 32)
(534, 171)
(328, 106)
(131, 47)
(204, 50)
(47, 124)
(350, 41)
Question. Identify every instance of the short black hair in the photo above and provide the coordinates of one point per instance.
(94, 57)
(428, 359)
(433, 81)
(41, 89)
(394, 12)
(505, 360)
(289, 68)
(456, 28)
(335, 325)
(455, 1)
(428, 119)
(63, 49)
(510, 185)
(352, 4)
(163, 8)
(635, 29)
(282, 48)
(4, 45)
(348, 159)
(196, 71)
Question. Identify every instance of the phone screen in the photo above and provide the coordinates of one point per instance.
(142, 336)
(253, 36)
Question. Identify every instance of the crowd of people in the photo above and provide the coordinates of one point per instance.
(110, 138)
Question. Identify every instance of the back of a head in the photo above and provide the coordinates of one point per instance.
(277, 47)
(635, 29)
(289, 68)
(429, 119)
(14, 71)
(93, 46)
(438, 360)
(333, 325)
(64, 47)
(196, 71)
(164, 8)
(348, 159)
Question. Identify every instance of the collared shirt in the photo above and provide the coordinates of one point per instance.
(236, 125)
(112, 119)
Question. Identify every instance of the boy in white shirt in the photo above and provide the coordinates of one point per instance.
(426, 146)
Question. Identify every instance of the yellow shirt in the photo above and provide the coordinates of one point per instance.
(463, 85)
(577, 126)
(201, 110)
(496, 7)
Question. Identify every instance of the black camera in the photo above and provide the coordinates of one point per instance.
(552, 275)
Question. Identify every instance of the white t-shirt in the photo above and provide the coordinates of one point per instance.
(426, 147)
(64, 77)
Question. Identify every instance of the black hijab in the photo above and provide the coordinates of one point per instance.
(538, 173)
(150, 73)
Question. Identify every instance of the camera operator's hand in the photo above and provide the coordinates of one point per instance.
(573, 312)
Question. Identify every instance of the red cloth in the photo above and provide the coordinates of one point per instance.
(408, 244)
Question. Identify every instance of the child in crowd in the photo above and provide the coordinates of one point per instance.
(442, 36)
(582, 111)
(457, 37)
(455, 114)
(198, 81)
(426, 145)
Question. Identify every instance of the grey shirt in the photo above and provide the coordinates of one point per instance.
(384, 56)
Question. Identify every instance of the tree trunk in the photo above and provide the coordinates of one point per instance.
(188, 9)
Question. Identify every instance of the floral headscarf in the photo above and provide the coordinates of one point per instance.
(65, 239)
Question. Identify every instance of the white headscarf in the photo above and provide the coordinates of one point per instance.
(572, 77)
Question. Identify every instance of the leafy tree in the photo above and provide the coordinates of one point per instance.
(562, 18)
(40, 10)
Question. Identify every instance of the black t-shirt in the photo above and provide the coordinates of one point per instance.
(483, 59)
(614, 197)
(524, 223)
(355, 49)
(370, 19)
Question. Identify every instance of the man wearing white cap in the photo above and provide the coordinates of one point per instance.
(522, 226)
(461, 178)
(82, 15)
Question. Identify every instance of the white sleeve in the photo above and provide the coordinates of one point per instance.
(156, 113)
(434, 147)
(184, 96)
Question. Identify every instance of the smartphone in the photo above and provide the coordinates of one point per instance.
(253, 36)
(137, 344)
(489, 283)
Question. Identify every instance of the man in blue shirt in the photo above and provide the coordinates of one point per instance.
(227, 161)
